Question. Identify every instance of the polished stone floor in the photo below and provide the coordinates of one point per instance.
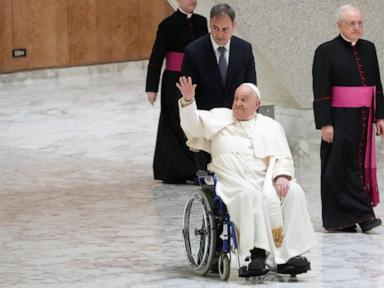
(79, 208)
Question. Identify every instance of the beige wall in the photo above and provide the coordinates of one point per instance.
(59, 33)
(285, 35)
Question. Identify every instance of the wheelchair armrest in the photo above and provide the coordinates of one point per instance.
(206, 178)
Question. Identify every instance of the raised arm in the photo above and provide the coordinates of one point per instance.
(198, 123)
(187, 88)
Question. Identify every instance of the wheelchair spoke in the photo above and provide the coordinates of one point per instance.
(198, 233)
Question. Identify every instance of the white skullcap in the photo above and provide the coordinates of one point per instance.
(254, 88)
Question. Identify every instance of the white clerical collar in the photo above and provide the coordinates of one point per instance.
(189, 15)
(215, 45)
(345, 38)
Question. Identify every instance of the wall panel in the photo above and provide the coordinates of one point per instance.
(34, 30)
(6, 27)
(62, 46)
(126, 30)
(59, 33)
(82, 31)
(21, 38)
(151, 14)
(104, 16)
(48, 33)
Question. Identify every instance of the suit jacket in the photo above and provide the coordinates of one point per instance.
(201, 64)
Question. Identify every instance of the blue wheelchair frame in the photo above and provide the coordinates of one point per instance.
(208, 181)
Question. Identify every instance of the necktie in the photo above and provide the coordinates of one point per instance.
(223, 66)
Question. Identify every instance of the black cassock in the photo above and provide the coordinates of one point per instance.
(173, 162)
(344, 196)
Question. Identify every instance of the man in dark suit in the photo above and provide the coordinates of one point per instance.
(219, 62)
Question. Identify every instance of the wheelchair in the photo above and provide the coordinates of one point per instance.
(208, 233)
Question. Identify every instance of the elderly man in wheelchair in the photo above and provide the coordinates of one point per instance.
(254, 178)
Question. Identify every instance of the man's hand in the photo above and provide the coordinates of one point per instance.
(187, 89)
(151, 97)
(282, 185)
(327, 133)
(380, 127)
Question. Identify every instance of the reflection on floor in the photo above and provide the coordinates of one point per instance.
(79, 208)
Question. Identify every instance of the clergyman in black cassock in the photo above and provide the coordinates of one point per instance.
(346, 74)
(173, 161)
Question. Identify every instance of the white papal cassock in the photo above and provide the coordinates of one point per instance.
(246, 157)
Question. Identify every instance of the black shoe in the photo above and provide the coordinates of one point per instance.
(349, 229)
(370, 224)
(253, 270)
(257, 266)
(295, 265)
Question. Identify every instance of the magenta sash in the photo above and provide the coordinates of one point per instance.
(174, 61)
(362, 96)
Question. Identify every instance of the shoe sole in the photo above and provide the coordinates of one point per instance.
(373, 225)
(245, 273)
(293, 270)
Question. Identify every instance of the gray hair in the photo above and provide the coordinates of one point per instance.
(222, 9)
(340, 11)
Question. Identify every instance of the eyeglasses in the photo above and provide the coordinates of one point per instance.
(354, 23)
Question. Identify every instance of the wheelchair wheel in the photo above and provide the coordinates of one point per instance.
(224, 266)
(199, 233)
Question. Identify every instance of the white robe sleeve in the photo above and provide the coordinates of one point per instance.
(190, 121)
(200, 126)
(283, 166)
